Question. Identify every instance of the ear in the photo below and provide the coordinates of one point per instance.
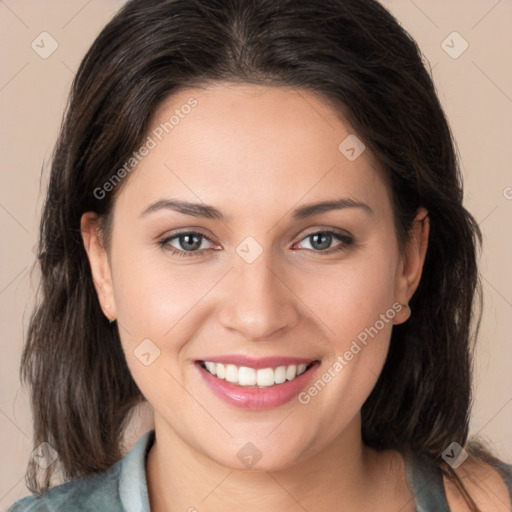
(411, 263)
(99, 262)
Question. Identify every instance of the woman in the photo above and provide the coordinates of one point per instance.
(254, 222)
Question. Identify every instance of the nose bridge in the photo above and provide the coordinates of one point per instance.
(258, 303)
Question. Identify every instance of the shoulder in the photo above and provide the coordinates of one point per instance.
(97, 492)
(485, 484)
(121, 485)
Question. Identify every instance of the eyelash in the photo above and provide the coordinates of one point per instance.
(346, 240)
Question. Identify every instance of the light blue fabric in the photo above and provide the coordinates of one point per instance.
(426, 485)
(123, 487)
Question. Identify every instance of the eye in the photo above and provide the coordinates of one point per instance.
(189, 243)
(321, 240)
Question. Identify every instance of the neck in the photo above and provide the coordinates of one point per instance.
(341, 476)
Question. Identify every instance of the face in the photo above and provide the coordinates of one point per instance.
(291, 307)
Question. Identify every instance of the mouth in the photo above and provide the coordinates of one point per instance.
(246, 376)
(257, 384)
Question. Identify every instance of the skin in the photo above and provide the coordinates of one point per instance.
(255, 153)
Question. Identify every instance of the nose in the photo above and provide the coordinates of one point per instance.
(259, 302)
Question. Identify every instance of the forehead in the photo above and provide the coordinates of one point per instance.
(253, 148)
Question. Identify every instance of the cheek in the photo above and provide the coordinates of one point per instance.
(353, 302)
(155, 305)
(152, 293)
(350, 296)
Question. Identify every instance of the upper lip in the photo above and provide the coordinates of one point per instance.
(260, 362)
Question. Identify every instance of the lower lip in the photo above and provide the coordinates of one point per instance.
(257, 398)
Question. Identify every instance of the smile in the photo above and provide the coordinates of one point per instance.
(246, 376)
(256, 383)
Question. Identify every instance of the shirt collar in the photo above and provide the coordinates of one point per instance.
(133, 489)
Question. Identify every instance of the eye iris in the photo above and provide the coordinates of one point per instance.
(323, 245)
(188, 245)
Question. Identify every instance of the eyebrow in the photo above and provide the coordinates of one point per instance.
(210, 212)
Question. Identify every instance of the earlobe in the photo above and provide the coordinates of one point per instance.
(404, 314)
(99, 263)
(411, 266)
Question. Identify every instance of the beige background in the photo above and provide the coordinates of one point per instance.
(476, 92)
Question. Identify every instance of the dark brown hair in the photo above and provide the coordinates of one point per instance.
(353, 54)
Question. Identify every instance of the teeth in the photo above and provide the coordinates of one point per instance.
(291, 372)
(263, 377)
(231, 373)
(246, 376)
(220, 371)
(280, 375)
